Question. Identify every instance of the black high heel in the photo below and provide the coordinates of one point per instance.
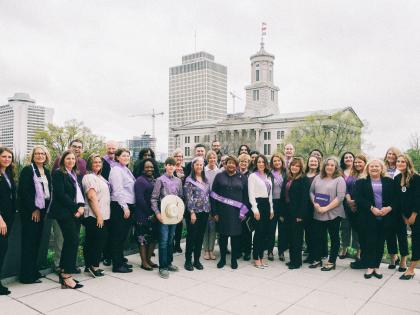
(315, 264)
(328, 267)
(394, 265)
(407, 277)
(64, 285)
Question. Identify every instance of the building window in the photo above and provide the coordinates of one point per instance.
(270, 73)
(267, 149)
(257, 72)
(280, 134)
(187, 139)
(187, 151)
(278, 147)
(272, 95)
(196, 139)
(256, 95)
(267, 135)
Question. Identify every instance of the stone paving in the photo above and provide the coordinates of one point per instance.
(247, 290)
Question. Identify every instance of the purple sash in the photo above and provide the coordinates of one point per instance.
(243, 209)
(265, 180)
(39, 191)
(197, 184)
(277, 177)
(111, 163)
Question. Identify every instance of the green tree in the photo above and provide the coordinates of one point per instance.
(57, 138)
(414, 150)
(332, 134)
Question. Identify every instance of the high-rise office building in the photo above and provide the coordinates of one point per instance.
(138, 143)
(20, 119)
(197, 91)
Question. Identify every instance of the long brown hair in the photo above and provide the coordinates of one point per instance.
(337, 172)
(10, 170)
(396, 151)
(295, 160)
(63, 157)
(354, 172)
(409, 171)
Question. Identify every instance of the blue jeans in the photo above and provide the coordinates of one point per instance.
(166, 244)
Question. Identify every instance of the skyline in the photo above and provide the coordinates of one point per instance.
(102, 59)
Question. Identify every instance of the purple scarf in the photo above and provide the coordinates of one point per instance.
(79, 195)
(39, 191)
(265, 180)
(111, 162)
(243, 209)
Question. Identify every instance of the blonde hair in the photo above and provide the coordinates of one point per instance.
(409, 172)
(178, 151)
(244, 156)
(44, 149)
(395, 150)
(366, 171)
(362, 157)
(210, 153)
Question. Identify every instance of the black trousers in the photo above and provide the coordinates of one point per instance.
(4, 243)
(321, 228)
(235, 244)
(308, 227)
(397, 234)
(375, 240)
(246, 238)
(178, 234)
(31, 240)
(95, 240)
(276, 224)
(262, 228)
(415, 239)
(357, 222)
(70, 228)
(295, 237)
(195, 235)
(118, 232)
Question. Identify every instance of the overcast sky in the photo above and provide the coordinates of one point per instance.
(101, 61)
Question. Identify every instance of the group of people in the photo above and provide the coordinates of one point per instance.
(247, 198)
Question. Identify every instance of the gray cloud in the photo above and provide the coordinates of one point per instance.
(100, 61)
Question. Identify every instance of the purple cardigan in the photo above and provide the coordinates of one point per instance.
(143, 188)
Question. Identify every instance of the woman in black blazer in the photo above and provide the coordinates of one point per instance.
(408, 206)
(34, 194)
(7, 204)
(67, 208)
(294, 209)
(375, 199)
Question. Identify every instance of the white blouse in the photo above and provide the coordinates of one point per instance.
(258, 189)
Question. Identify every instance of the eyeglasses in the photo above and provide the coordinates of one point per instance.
(39, 153)
(76, 146)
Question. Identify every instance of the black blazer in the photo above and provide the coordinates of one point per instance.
(26, 190)
(7, 199)
(298, 205)
(64, 204)
(408, 201)
(106, 169)
(363, 195)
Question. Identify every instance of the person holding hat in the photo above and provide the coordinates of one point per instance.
(167, 192)
(229, 207)
(197, 194)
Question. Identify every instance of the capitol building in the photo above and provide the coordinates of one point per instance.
(261, 126)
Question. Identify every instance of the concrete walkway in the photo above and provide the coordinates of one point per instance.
(274, 290)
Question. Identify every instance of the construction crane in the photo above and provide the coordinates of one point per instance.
(234, 97)
(153, 115)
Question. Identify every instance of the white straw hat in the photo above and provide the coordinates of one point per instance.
(172, 209)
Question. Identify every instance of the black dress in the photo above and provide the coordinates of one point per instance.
(408, 202)
(234, 187)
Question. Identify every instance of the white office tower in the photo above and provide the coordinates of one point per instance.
(20, 119)
(197, 91)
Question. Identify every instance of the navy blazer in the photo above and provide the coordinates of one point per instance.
(364, 197)
(7, 199)
(64, 204)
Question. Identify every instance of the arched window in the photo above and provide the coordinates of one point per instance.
(257, 72)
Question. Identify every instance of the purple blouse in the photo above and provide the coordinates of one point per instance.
(165, 185)
(198, 199)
